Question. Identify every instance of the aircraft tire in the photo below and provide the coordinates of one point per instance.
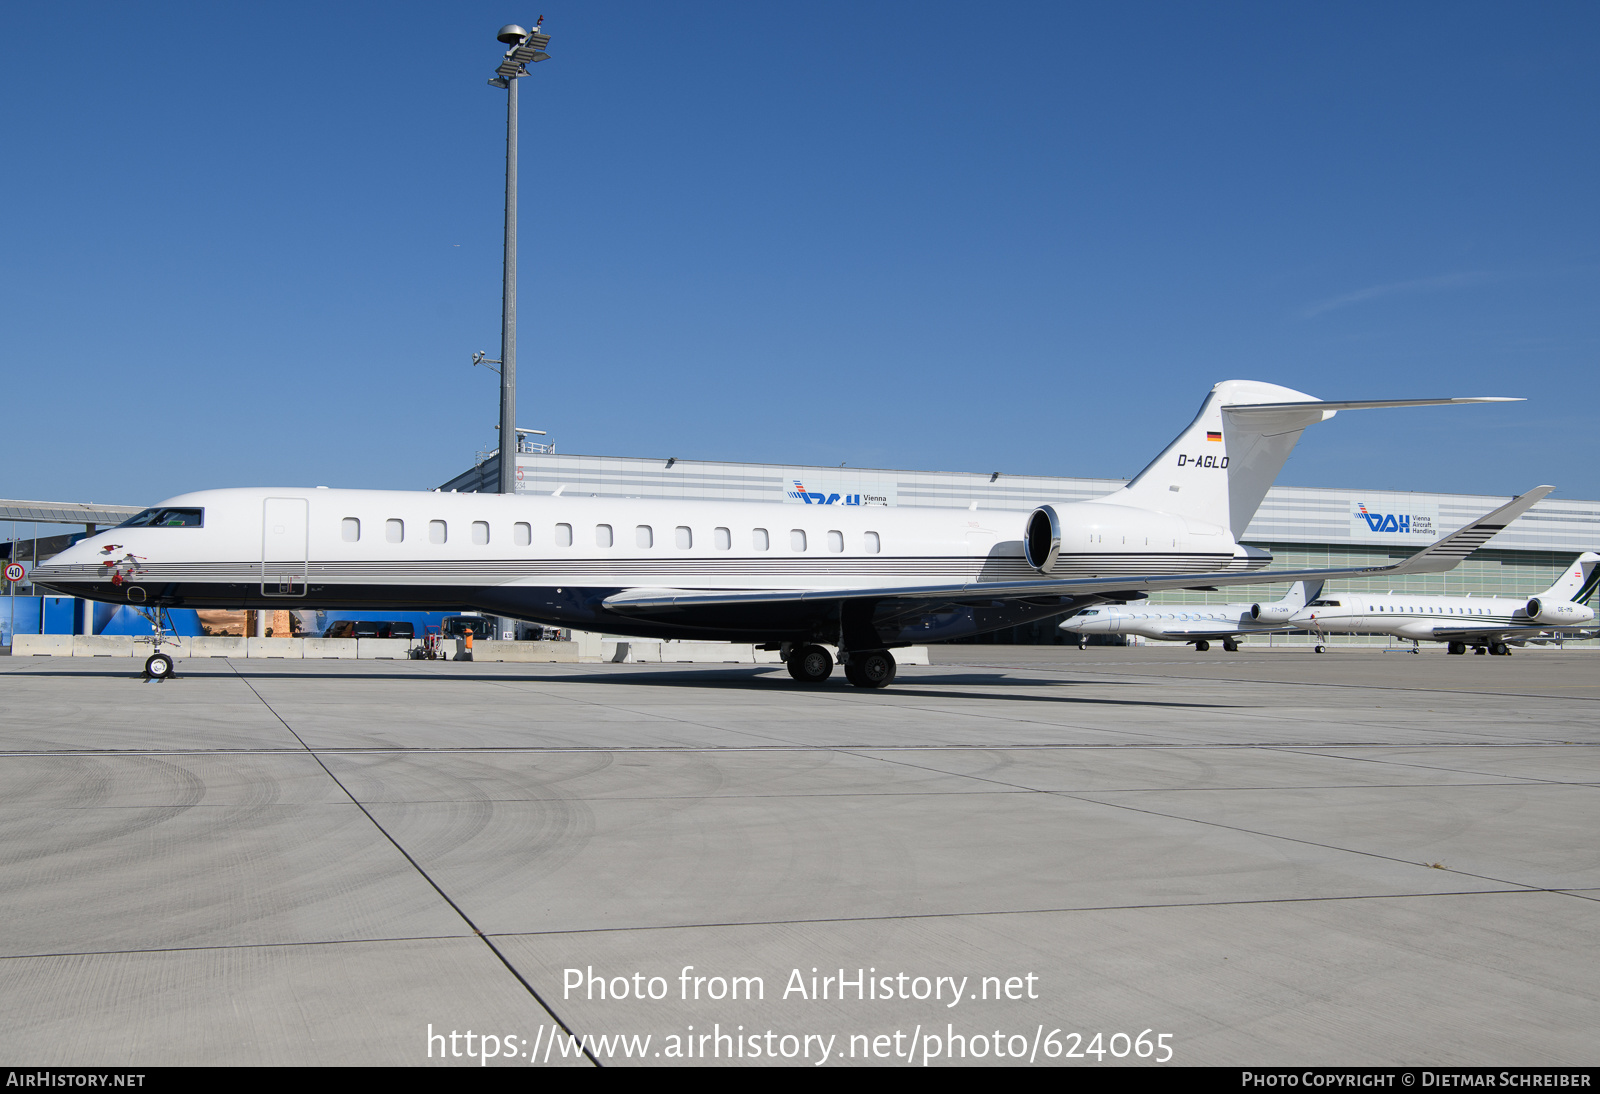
(158, 666)
(1201, 646)
(871, 670)
(1456, 648)
(1230, 646)
(1320, 649)
(810, 664)
(1501, 649)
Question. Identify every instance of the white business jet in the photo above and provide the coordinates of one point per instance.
(864, 580)
(1197, 624)
(1487, 623)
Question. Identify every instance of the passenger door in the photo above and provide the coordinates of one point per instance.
(285, 543)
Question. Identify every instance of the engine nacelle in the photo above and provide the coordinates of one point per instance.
(1270, 613)
(1543, 611)
(1041, 544)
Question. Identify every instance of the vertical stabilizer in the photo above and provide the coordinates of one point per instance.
(1578, 582)
(1218, 469)
(1300, 594)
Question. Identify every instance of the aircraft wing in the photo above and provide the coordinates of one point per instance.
(1438, 557)
(1222, 630)
(1532, 630)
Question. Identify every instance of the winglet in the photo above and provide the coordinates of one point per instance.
(1448, 552)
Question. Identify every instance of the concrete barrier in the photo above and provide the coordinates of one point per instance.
(294, 648)
(41, 645)
(331, 647)
(497, 650)
(382, 648)
(217, 646)
(105, 645)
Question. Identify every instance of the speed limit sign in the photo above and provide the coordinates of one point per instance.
(15, 572)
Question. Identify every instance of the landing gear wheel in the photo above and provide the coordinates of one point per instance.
(1457, 648)
(1230, 646)
(1201, 646)
(1499, 649)
(158, 666)
(1083, 645)
(1319, 649)
(871, 670)
(810, 664)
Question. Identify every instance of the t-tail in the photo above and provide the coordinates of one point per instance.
(1578, 583)
(1218, 469)
(1300, 594)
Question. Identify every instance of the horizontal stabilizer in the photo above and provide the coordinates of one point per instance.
(1246, 410)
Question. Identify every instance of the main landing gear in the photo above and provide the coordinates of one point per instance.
(1496, 649)
(1201, 646)
(1230, 646)
(812, 664)
(873, 669)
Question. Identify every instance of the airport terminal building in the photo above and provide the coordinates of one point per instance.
(1302, 527)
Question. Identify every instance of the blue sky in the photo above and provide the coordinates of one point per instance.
(254, 245)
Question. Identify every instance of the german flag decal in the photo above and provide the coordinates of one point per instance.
(1213, 436)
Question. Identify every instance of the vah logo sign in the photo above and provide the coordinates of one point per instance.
(835, 493)
(1389, 521)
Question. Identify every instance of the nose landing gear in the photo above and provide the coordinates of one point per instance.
(158, 666)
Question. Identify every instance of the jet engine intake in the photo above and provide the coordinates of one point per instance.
(1270, 613)
(1543, 611)
(1042, 543)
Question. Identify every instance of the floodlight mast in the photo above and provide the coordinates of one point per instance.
(527, 47)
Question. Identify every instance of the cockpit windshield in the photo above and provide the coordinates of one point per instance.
(167, 518)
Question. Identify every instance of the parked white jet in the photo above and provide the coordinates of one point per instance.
(1486, 623)
(1197, 624)
(864, 579)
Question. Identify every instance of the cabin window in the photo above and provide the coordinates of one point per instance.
(759, 539)
(724, 539)
(350, 529)
(394, 531)
(480, 532)
(437, 532)
(522, 533)
(871, 543)
(835, 541)
(563, 535)
(684, 537)
(643, 536)
(602, 535)
(797, 539)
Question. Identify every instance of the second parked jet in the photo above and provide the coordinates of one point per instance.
(1487, 623)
